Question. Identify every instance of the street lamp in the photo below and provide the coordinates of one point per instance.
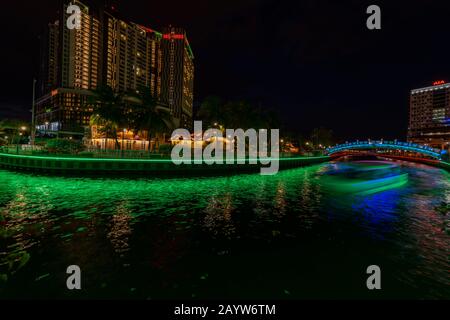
(19, 138)
(33, 122)
(18, 141)
(123, 137)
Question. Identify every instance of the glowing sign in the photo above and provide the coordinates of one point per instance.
(54, 92)
(436, 83)
(173, 36)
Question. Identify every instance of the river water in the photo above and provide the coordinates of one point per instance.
(303, 233)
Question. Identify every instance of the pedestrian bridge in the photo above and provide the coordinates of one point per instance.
(388, 145)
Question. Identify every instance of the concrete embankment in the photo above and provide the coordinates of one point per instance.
(55, 164)
(431, 162)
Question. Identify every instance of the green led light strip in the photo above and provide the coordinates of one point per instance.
(149, 160)
(190, 50)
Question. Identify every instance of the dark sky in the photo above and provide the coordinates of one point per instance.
(314, 61)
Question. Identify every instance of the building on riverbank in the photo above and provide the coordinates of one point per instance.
(178, 70)
(109, 50)
(429, 115)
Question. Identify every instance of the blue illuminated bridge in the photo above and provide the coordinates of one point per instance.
(389, 145)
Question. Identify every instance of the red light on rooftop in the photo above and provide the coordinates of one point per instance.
(436, 83)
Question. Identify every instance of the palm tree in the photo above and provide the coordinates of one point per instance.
(12, 128)
(147, 115)
(210, 111)
(322, 136)
(108, 111)
(242, 114)
(3, 133)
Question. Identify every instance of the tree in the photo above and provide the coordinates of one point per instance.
(267, 119)
(243, 114)
(237, 114)
(322, 136)
(108, 111)
(13, 129)
(211, 111)
(146, 114)
(64, 146)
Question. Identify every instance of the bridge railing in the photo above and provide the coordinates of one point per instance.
(387, 144)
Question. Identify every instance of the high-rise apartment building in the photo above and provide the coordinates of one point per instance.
(108, 50)
(74, 68)
(429, 117)
(80, 51)
(132, 56)
(48, 68)
(177, 87)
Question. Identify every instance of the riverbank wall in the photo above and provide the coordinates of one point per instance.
(430, 162)
(101, 166)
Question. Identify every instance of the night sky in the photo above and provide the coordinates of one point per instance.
(313, 61)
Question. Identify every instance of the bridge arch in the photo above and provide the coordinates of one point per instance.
(390, 145)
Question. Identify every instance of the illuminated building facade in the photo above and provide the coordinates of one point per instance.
(80, 51)
(177, 88)
(63, 111)
(74, 68)
(132, 56)
(48, 68)
(107, 50)
(429, 117)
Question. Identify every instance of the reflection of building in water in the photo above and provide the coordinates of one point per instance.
(280, 200)
(260, 206)
(218, 219)
(120, 230)
(18, 237)
(310, 200)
